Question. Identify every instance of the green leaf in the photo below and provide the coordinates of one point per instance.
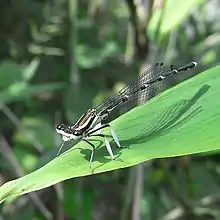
(10, 72)
(30, 70)
(27, 160)
(35, 128)
(183, 120)
(21, 90)
(174, 13)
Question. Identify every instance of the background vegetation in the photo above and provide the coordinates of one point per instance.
(59, 58)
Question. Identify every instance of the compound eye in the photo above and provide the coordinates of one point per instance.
(61, 127)
(76, 133)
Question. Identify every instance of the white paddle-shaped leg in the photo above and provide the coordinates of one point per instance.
(112, 133)
(108, 146)
(115, 137)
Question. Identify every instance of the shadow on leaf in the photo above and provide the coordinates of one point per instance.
(173, 117)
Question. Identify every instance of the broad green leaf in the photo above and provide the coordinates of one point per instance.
(174, 13)
(183, 120)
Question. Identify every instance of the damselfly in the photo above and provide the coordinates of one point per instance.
(90, 123)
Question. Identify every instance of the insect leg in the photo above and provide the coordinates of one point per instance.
(107, 144)
(112, 132)
(60, 148)
(93, 151)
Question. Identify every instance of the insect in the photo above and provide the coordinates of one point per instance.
(90, 123)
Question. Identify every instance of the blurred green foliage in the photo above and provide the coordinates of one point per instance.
(58, 58)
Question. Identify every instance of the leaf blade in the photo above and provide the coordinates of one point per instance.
(183, 120)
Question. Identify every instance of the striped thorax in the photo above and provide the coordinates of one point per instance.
(86, 122)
